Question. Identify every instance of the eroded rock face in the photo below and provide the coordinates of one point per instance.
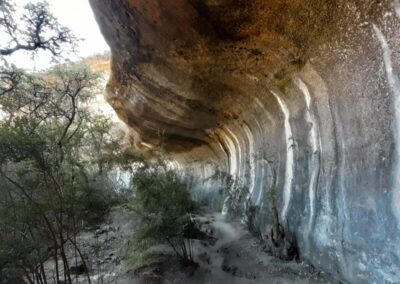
(298, 100)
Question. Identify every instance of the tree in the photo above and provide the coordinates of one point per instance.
(49, 165)
(36, 29)
(48, 169)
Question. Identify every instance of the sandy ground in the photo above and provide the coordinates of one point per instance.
(104, 247)
(235, 257)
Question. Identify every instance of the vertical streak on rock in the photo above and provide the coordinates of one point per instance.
(396, 5)
(258, 171)
(394, 84)
(234, 161)
(251, 158)
(261, 187)
(314, 140)
(262, 165)
(338, 200)
(236, 152)
(287, 188)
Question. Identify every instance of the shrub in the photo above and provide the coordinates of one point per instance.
(162, 199)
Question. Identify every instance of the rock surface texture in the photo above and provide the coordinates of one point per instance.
(297, 100)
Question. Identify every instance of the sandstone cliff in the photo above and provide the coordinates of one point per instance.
(299, 100)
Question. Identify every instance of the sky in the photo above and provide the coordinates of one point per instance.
(77, 16)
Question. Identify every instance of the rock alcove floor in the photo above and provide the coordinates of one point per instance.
(236, 257)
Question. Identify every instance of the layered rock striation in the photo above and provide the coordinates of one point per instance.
(298, 101)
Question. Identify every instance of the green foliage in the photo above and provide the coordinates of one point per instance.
(54, 174)
(162, 198)
(141, 259)
(159, 190)
(55, 179)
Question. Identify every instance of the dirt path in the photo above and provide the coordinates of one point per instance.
(236, 257)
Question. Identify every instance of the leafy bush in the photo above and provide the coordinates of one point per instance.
(163, 200)
(53, 168)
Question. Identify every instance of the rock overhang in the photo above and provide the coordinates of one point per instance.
(297, 90)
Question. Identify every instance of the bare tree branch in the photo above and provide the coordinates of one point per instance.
(37, 30)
